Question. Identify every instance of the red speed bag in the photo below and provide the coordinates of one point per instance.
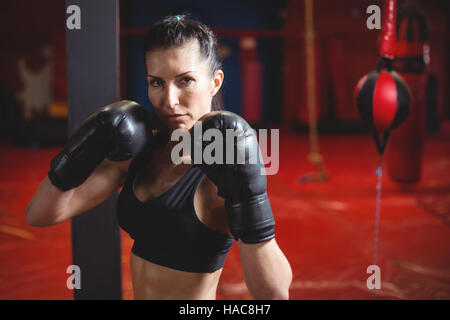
(382, 99)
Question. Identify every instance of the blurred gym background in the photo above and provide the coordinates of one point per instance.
(262, 44)
(260, 41)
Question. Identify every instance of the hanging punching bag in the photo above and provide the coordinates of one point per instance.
(251, 75)
(405, 148)
(382, 96)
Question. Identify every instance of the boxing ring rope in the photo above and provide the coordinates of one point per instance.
(233, 33)
(245, 33)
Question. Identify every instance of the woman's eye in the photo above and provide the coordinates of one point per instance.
(187, 80)
(155, 83)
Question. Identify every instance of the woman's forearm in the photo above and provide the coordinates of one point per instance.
(267, 272)
(47, 204)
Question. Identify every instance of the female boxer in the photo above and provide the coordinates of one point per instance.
(183, 218)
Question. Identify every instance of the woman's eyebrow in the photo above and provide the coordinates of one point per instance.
(177, 76)
(184, 73)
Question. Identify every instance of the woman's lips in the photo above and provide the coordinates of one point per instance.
(175, 116)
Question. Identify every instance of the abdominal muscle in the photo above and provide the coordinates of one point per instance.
(155, 282)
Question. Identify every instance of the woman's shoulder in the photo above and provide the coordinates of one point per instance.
(208, 193)
(210, 207)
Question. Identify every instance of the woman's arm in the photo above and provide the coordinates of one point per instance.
(266, 270)
(50, 205)
(81, 176)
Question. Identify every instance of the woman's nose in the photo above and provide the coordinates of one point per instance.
(172, 97)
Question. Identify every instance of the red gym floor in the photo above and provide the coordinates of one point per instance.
(326, 229)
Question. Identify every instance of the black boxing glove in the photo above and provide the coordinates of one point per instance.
(118, 132)
(242, 183)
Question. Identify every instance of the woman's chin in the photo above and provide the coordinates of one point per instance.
(175, 126)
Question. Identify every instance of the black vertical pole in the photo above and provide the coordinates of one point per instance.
(93, 82)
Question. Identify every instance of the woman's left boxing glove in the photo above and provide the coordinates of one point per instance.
(242, 181)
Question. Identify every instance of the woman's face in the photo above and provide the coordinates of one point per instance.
(180, 85)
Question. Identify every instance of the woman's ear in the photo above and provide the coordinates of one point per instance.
(217, 81)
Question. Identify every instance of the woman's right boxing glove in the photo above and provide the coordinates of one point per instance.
(118, 132)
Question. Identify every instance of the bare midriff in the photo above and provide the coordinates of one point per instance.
(152, 281)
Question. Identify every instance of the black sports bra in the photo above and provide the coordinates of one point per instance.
(166, 229)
